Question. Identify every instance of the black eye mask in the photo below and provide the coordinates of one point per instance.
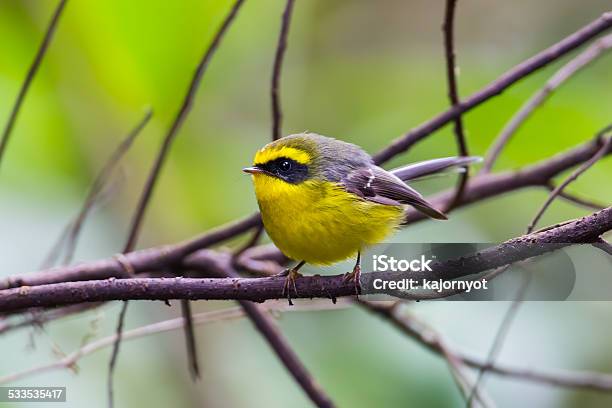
(285, 169)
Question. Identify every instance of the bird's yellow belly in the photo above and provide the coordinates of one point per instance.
(321, 223)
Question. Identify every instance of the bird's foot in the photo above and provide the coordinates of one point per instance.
(354, 277)
(291, 276)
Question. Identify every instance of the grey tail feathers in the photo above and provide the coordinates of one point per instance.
(429, 167)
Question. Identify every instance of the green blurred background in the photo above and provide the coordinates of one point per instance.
(358, 70)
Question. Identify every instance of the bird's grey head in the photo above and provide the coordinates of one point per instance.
(305, 156)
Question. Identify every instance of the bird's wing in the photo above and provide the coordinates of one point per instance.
(378, 185)
(429, 167)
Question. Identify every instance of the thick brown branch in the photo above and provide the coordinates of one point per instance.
(584, 230)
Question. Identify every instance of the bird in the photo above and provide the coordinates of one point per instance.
(324, 200)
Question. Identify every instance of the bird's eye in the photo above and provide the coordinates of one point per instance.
(285, 166)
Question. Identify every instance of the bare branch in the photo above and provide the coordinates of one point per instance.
(562, 75)
(190, 340)
(40, 54)
(115, 353)
(500, 335)
(496, 87)
(277, 113)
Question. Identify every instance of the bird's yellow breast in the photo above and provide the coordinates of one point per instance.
(320, 222)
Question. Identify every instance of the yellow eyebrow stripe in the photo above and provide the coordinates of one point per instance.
(266, 155)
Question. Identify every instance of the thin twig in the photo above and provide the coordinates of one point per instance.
(115, 353)
(453, 94)
(496, 87)
(40, 54)
(500, 335)
(277, 113)
(560, 77)
(580, 170)
(190, 340)
(581, 201)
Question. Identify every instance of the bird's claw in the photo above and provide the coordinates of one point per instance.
(291, 276)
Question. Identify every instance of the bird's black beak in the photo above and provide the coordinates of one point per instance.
(253, 170)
